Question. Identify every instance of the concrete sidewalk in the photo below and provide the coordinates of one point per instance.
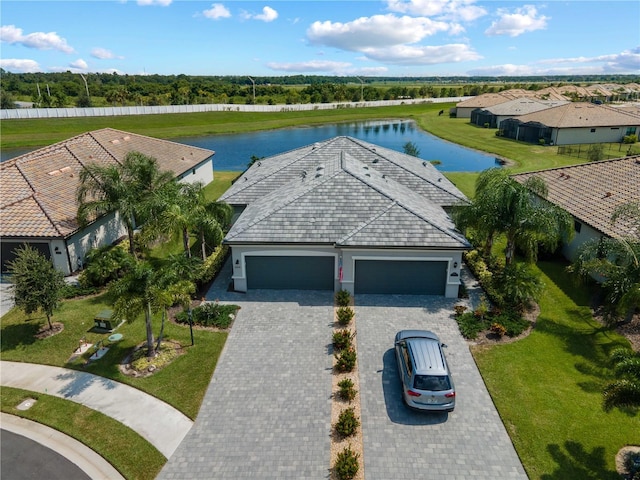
(156, 421)
(86, 459)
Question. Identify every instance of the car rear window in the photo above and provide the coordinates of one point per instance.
(434, 383)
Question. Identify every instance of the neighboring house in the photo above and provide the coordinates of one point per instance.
(491, 117)
(487, 100)
(345, 214)
(591, 192)
(573, 123)
(38, 192)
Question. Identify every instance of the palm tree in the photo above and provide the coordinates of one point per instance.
(519, 211)
(624, 392)
(119, 188)
(182, 208)
(617, 262)
(147, 290)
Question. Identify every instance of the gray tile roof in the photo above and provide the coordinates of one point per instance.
(272, 173)
(592, 191)
(38, 189)
(347, 203)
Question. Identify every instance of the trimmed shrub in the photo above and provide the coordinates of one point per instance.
(105, 264)
(346, 466)
(210, 315)
(345, 315)
(470, 325)
(346, 360)
(347, 423)
(343, 298)
(628, 139)
(342, 339)
(72, 291)
(346, 392)
(459, 309)
(498, 329)
(213, 264)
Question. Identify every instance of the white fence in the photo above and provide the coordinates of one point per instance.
(17, 113)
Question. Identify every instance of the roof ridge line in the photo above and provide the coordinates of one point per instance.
(360, 227)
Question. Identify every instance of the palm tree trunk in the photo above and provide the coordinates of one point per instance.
(150, 347)
(203, 245)
(132, 247)
(185, 242)
(509, 250)
(161, 334)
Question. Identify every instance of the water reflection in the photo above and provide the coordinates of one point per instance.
(234, 151)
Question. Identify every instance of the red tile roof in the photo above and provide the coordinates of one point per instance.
(591, 192)
(38, 189)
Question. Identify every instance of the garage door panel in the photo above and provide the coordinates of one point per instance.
(290, 272)
(405, 277)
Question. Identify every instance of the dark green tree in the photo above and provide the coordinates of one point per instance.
(36, 284)
(411, 148)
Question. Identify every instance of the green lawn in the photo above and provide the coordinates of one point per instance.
(131, 454)
(40, 132)
(181, 384)
(548, 388)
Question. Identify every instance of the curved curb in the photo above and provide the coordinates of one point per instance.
(86, 459)
(156, 421)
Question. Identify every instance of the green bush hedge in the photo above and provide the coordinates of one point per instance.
(347, 423)
(210, 315)
(345, 315)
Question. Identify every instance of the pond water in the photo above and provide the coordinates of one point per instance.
(234, 151)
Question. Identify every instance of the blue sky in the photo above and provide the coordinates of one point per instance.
(359, 37)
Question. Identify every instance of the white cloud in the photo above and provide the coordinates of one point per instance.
(160, 3)
(455, 10)
(103, 54)
(79, 64)
(268, 15)
(627, 61)
(20, 65)
(423, 55)
(217, 11)
(310, 66)
(38, 40)
(378, 31)
(525, 19)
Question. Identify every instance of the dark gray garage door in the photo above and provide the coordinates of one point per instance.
(290, 273)
(8, 251)
(400, 277)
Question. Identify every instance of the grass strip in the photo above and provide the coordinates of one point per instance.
(548, 387)
(131, 454)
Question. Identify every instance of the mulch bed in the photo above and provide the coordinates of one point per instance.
(46, 332)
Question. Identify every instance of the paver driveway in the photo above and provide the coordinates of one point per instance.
(266, 414)
(470, 443)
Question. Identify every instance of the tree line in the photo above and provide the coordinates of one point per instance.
(68, 89)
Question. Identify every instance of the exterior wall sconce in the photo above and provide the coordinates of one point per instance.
(57, 250)
(237, 262)
(455, 264)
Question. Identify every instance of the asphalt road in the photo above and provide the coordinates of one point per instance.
(24, 459)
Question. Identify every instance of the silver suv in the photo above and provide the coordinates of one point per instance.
(426, 379)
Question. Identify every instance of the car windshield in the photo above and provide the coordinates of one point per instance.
(434, 383)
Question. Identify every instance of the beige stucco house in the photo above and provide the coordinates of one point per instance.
(38, 192)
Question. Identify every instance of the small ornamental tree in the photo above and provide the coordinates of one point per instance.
(36, 284)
